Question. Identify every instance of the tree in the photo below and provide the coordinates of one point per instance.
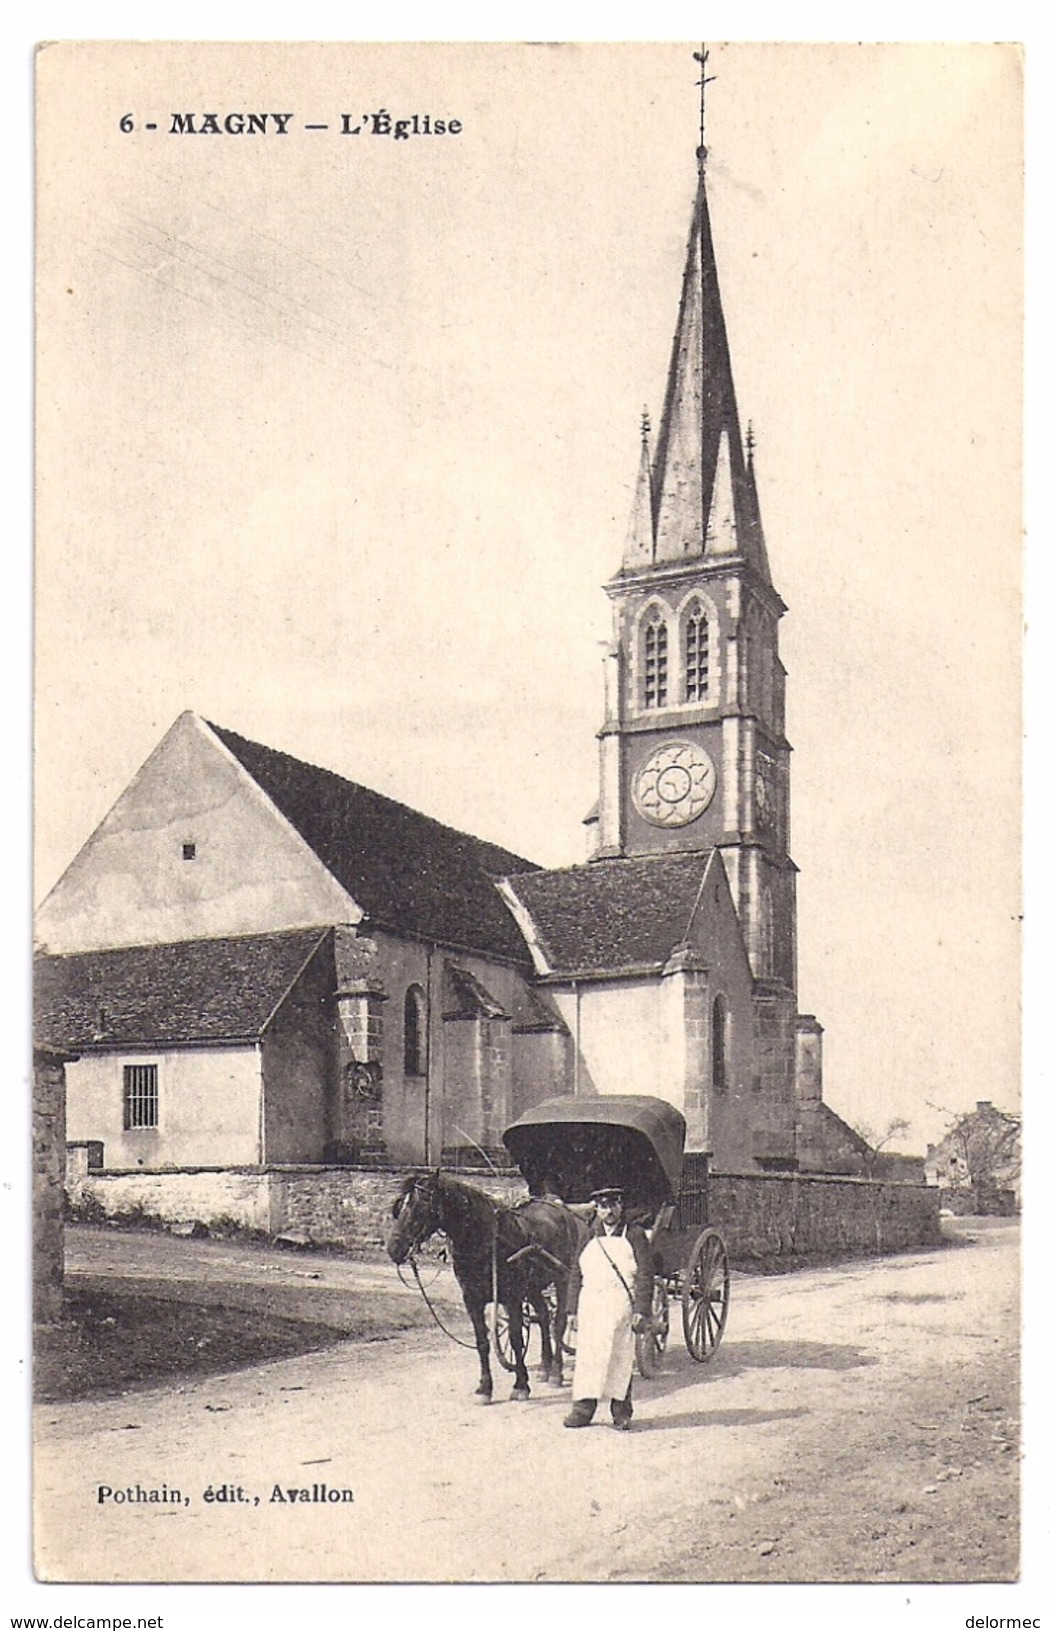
(877, 1142)
(981, 1151)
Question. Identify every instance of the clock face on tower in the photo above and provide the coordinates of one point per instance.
(675, 785)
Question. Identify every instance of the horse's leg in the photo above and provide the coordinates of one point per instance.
(543, 1320)
(561, 1289)
(520, 1390)
(476, 1310)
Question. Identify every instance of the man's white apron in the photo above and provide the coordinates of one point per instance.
(604, 1343)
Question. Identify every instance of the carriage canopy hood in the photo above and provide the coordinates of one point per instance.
(576, 1145)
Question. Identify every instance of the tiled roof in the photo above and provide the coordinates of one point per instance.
(466, 997)
(837, 1128)
(406, 871)
(529, 1012)
(613, 915)
(192, 991)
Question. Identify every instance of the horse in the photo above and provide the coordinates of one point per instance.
(523, 1249)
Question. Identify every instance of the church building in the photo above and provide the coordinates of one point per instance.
(258, 961)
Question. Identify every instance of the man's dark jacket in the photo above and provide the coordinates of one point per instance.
(643, 1256)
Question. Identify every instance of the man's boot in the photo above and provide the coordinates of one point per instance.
(582, 1413)
(622, 1411)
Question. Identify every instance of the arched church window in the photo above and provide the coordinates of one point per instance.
(415, 1031)
(697, 657)
(719, 1072)
(654, 683)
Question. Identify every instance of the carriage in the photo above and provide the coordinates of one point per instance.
(571, 1146)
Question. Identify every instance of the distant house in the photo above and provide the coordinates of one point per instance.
(978, 1162)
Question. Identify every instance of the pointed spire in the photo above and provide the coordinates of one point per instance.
(700, 426)
(699, 401)
(638, 550)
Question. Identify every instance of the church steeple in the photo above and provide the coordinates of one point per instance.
(699, 437)
(693, 750)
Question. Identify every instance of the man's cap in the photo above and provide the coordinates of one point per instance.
(609, 1193)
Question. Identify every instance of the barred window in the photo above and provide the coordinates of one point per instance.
(655, 686)
(697, 657)
(141, 1100)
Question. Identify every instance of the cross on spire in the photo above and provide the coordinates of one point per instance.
(704, 81)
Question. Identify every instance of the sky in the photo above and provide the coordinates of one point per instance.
(337, 439)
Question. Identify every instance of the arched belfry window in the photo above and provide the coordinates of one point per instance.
(415, 1031)
(719, 1072)
(697, 656)
(654, 658)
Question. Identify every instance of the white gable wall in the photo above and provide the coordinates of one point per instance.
(251, 872)
(617, 1030)
(208, 1103)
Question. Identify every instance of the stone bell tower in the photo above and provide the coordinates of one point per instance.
(693, 752)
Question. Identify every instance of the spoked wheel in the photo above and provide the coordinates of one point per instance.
(651, 1345)
(504, 1351)
(705, 1295)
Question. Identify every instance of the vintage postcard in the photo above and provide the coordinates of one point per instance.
(527, 697)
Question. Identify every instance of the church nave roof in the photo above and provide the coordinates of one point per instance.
(612, 917)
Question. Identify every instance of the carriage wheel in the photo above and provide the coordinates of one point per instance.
(650, 1346)
(705, 1295)
(504, 1351)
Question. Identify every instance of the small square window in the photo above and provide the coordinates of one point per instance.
(189, 852)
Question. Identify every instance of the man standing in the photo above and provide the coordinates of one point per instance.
(612, 1285)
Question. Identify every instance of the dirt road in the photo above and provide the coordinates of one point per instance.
(858, 1423)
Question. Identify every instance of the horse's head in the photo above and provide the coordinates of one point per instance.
(416, 1213)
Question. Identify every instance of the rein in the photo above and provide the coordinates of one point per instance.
(493, 1316)
(438, 1321)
